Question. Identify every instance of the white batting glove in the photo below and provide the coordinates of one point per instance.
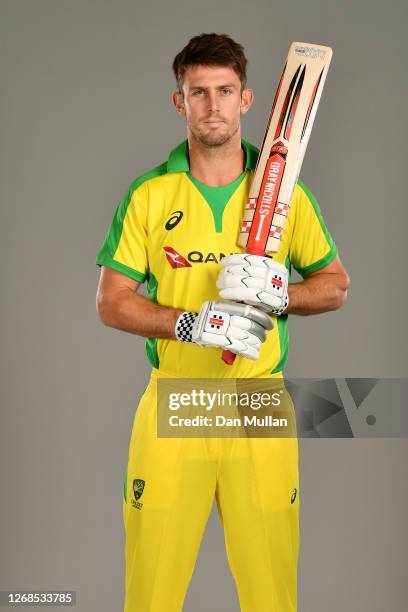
(237, 327)
(256, 280)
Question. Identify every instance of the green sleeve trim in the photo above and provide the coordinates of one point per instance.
(107, 252)
(125, 488)
(318, 265)
(328, 258)
(283, 333)
(151, 343)
(103, 260)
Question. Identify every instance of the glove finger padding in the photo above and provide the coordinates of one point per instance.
(243, 259)
(253, 297)
(236, 337)
(256, 280)
(227, 279)
(247, 270)
(240, 326)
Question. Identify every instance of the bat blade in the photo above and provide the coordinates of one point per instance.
(282, 151)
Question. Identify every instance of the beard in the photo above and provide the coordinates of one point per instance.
(214, 138)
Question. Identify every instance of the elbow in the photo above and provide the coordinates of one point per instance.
(341, 292)
(103, 309)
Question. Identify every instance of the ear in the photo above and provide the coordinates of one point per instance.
(178, 102)
(247, 97)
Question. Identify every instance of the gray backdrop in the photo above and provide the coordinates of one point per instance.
(85, 108)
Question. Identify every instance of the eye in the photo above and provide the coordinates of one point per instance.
(226, 91)
(198, 92)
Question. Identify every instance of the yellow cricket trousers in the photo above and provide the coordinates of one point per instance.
(169, 492)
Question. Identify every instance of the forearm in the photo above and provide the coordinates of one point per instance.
(128, 311)
(317, 294)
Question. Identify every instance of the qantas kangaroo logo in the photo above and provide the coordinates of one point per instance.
(175, 259)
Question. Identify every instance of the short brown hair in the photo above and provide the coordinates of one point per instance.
(211, 50)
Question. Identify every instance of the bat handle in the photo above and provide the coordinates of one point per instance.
(228, 357)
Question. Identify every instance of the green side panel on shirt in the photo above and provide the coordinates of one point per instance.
(283, 332)
(324, 261)
(107, 253)
(217, 197)
(151, 343)
(125, 488)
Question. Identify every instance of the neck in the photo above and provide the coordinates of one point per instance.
(219, 165)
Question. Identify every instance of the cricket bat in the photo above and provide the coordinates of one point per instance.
(282, 150)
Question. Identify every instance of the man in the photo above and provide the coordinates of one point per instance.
(176, 228)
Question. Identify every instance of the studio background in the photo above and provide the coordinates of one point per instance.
(85, 108)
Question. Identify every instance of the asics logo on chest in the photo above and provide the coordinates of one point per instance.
(174, 220)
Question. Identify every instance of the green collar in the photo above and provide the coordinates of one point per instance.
(178, 159)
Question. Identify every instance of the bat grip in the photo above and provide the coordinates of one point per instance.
(228, 357)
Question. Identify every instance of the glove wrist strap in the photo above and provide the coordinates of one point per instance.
(184, 326)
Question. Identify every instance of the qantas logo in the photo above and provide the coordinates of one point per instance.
(178, 261)
(175, 259)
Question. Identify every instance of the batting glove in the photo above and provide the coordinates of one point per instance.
(237, 327)
(256, 280)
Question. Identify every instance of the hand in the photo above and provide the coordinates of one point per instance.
(237, 327)
(256, 280)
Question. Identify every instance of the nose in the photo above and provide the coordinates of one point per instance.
(213, 101)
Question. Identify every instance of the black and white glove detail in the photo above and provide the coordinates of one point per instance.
(184, 326)
(256, 280)
(239, 328)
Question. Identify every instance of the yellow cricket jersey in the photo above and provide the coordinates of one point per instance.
(172, 231)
